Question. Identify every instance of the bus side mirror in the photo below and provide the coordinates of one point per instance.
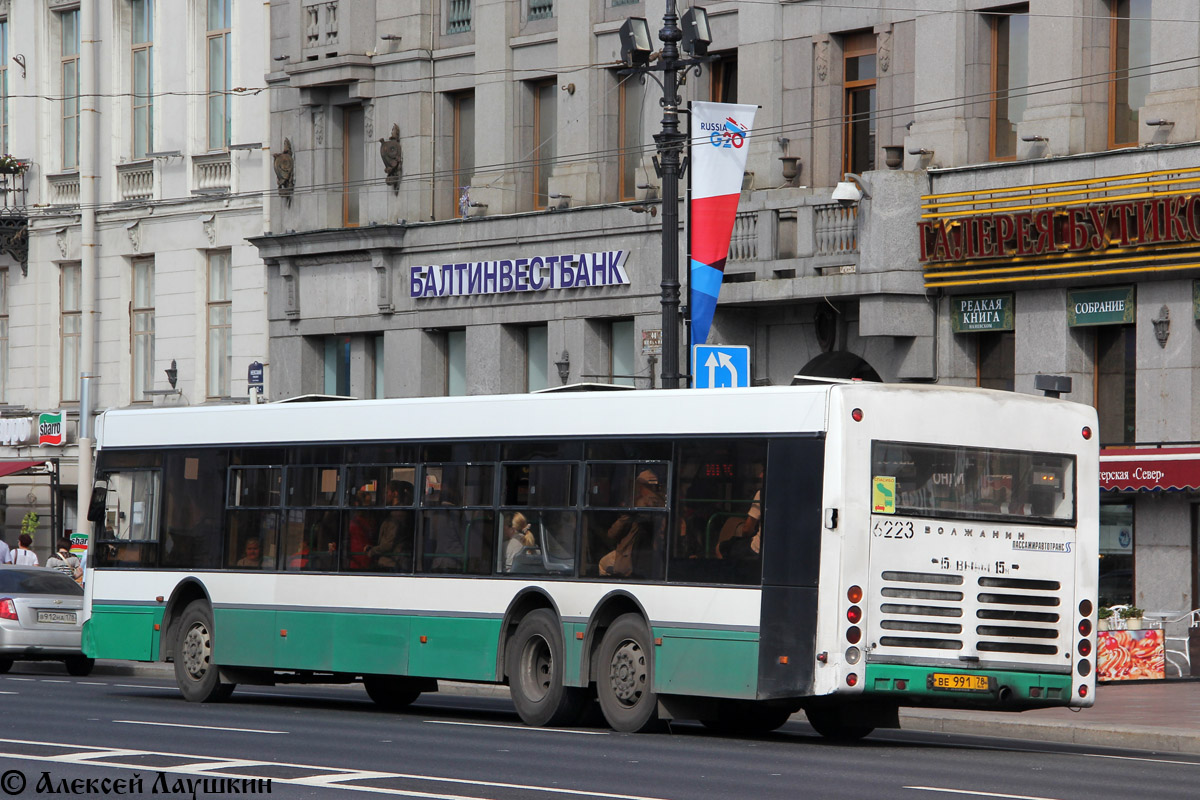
(99, 502)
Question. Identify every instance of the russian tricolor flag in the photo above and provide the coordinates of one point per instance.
(719, 142)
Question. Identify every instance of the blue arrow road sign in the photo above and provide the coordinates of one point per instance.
(720, 366)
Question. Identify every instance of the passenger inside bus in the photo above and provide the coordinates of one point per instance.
(393, 553)
(637, 539)
(518, 538)
(251, 554)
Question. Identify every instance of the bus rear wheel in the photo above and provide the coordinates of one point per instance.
(534, 662)
(197, 677)
(834, 722)
(391, 692)
(625, 676)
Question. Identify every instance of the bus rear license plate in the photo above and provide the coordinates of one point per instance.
(64, 617)
(960, 682)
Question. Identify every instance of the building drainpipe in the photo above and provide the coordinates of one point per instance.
(89, 246)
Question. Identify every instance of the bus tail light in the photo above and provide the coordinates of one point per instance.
(856, 415)
(1084, 667)
(854, 614)
(1085, 647)
(1087, 432)
(1085, 627)
(853, 654)
(1083, 690)
(854, 594)
(852, 679)
(853, 634)
(1085, 608)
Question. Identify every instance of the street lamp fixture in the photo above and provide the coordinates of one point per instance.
(697, 36)
(635, 42)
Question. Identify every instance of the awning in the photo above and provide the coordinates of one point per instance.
(16, 467)
(1151, 468)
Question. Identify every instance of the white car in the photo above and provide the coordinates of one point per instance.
(41, 614)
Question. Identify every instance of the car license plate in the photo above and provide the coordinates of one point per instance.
(64, 617)
(955, 681)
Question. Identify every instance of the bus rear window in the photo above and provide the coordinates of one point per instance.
(972, 483)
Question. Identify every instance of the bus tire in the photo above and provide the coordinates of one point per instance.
(625, 676)
(391, 692)
(196, 675)
(534, 662)
(5, 665)
(834, 722)
(746, 717)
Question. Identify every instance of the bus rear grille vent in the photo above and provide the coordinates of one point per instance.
(925, 644)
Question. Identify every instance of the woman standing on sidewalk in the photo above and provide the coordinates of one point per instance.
(23, 556)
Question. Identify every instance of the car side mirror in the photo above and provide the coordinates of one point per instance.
(99, 502)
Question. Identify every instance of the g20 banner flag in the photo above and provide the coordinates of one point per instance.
(720, 141)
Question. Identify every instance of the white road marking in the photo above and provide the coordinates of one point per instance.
(196, 727)
(56, 680)
(3, 692)
(514, 727)
(90, 683)
(977, 794)
(336, 778)
(139, 686)
(22, 679)
(1148, 760)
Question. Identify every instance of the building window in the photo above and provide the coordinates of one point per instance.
(464, 150)
(1129, 66)
(537, 358)
(1116, 554)
(69, 80)
(859, 83)
(142, 69)
(220, 325)
(352, 158)
(1115, 382)
(218, 62)
(724, 83)
(1010, 71)
(3, 335)
(456, 363)
(620, 348)
(142, 328)
(337, 366)
(545, 138)
(458, 17)
(541, 9)
(995, 365)
(377, 350)
(4, 86)
(630, 134)
(72, 328)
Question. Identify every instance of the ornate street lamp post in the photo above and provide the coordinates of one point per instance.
(670, 141)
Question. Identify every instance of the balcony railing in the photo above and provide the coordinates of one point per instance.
(541, 9)
(835, 229)
(743, 244)
(136, 181)
(211, 173)
(64, 189)
(458, 18)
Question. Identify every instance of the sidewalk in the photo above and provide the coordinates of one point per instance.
(1162, 716)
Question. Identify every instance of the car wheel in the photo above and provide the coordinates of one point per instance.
(197, 677)
(80, 666)
(5, 665)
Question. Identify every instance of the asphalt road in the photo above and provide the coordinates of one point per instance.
(326, 741)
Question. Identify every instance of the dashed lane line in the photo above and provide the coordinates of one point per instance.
(195, 727)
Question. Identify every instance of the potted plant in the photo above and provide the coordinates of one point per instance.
(1104, 614)
(11, 165)
(29, 523)
(1133, 617)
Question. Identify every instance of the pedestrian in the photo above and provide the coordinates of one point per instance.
(3, 551)
(64, 562)
(23, 556)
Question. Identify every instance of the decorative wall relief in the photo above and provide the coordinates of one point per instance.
(821, 60)
(884, 51)
(393, 158)
(285, 167)
(134, 229)
(318, 123)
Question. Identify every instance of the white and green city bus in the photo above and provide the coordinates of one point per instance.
(731, 556)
